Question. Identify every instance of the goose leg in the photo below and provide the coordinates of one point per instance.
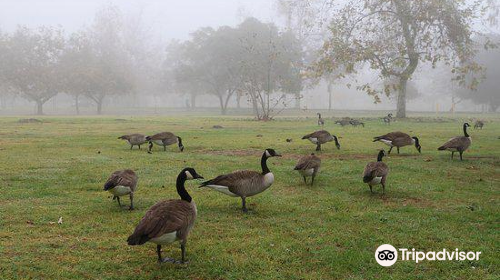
(312, 182)
(398, 150)
(461, 155)
(371, 188)
(118, 199)
(243, 204)
(158, 251)
(389, 152)
(383, 188)
(150, 146)
(139, 146)
(164, 148)
(452, 153)
(183, 252)
(318, 147)
(131, 201)
(131, 146)
(305, 182)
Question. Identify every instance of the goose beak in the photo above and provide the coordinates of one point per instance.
(278, 155)
(199, 177)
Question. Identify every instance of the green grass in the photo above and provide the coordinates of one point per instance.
(293, 231)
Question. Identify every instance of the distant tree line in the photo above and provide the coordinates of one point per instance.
(259, 63)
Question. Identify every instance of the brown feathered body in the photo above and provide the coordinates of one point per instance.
(308, 165)
(134, 139)
(375, 173)
(479, 124)
(456, 144)
(121, 182)
(319, 137)
(163, 138)
(165, 222)
(243, 183)
(395, 139)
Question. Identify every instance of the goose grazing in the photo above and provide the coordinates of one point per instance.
(244, 183)
(321, 121)
(458, 144)
(321, 137)
(343, 122)
(479, 124)
(134, 139)
(164, 139)
(387, 119)
(398, 139)
(376, 172)
(354, 122)
(120, 183)
(308, 166)
(169, 220)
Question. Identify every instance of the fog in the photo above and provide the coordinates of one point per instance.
(260, 57)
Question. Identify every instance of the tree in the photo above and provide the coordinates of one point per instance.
(394, 36)
(32, 57)
(270, 63)
(487, 92)
(209, 63)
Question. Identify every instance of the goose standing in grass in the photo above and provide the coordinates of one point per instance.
(120, 183)
(308, 166)
(354, 122)
(164, 139)
(134, 139)
(321, 121)
(387, 119)
(479, 124)
(398, 139)
(376, 172)
(244, 183)
(458, 144)
(169, 220)
(343, 122)
(321, 137)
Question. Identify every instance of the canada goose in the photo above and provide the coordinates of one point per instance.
(343, 122)
(120, 183)
(479, 124)
(244, 183)
(308, 166)
(321, 137)
(458, 144)
(376, 172)
(321, 121)
(398, 139)
(134, 139)
(387, 119)
(164, 139)
(168, 220)
(354, 122)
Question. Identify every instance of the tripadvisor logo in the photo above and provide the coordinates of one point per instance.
(387, 255)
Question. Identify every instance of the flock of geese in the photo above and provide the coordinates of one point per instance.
(171, 220)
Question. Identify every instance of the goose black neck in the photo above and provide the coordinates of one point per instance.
(380, 156)
(263, 164)
(465, 131)
(179, 141)
(416, 141)
(181, 190)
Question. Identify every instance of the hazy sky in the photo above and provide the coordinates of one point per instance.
(168, 18)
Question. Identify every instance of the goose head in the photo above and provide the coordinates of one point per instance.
(191, 173)
(271, 153)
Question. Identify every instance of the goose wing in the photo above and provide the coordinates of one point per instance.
(391, 136)
(163, 136)
(308, 162)
(126, 178)
(322, 136)
(238, 182)
(164, 217)
(459, 142)
(374, 169)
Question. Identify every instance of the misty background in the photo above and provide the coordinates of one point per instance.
(98, 57)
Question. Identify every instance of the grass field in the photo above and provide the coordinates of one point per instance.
(293, 231)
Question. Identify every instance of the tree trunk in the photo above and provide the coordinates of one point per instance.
(77, 104)
(297, 100)
(401, 107)
(238, 101)
(330, 96)
(193, 101)
(99, 107)
(39, 107)
(222, 108)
